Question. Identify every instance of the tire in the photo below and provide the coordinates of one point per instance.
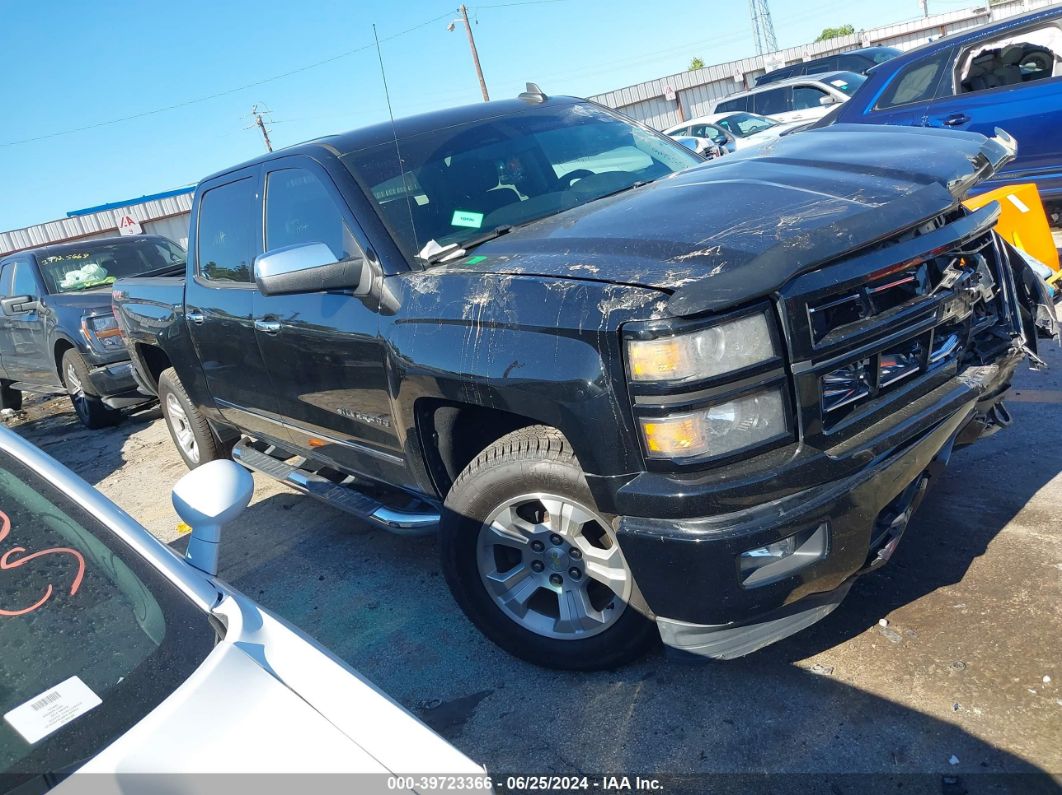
(536, 590)
(10, 398)
(188, 428)
(83, 395)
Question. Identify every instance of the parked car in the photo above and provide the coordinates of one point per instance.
(122, 658)
(738, 130)
(57, 331)
(687, 400)
(798, 99)
(698, 129)
(1007, 75)
(702, 146)
(860, 61)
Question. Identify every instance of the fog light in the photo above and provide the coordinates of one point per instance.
(783, 558)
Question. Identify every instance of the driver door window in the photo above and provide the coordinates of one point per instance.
(807, 97)
(301, 210)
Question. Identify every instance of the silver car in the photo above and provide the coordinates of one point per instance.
(120, 657)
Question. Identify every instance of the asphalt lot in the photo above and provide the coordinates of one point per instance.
(963, 679)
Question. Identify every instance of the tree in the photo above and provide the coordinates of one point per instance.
(833, 33)
(696, 63)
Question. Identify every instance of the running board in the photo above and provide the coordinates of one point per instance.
(344, 497)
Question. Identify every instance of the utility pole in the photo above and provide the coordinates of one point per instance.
(262, 126)
(463, 11)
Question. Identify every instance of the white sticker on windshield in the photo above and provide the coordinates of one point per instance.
(52, 709)
(839, 83)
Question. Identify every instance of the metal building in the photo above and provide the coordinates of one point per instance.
(164, 213)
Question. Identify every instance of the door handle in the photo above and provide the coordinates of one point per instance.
(195, 317)
(267, 326)
(955, 119)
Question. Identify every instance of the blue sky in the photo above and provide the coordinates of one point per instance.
(72, 64)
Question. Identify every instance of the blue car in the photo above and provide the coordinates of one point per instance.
(1006, 75)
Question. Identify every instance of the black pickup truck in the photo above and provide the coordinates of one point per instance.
(639, 395)
(57, 330)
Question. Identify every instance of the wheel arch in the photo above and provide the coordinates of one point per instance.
(59, 349)
(453, 433)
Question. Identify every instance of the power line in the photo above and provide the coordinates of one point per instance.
(226, 92)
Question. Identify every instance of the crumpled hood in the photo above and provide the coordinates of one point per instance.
(739, 227)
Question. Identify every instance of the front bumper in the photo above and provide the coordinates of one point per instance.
(117, 386)
(688, 569)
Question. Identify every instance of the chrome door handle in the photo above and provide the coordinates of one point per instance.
(955, 119)
(196, 317)
(267, 326)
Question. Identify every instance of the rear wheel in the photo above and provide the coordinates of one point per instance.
(188, 428)
(89, 407)
(534, 564)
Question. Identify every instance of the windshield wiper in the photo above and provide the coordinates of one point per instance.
(433, 254)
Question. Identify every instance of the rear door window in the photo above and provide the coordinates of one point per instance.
(916, 82)
(852, 63)
(227, 232)
(775, 100)
(731, 105)
(824, 65)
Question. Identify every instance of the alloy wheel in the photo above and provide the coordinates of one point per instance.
(553, 566)
(77, 393)
(182, 428)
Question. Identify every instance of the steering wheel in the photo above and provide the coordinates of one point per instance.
(579, 173)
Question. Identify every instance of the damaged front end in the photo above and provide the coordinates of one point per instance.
(898, 353)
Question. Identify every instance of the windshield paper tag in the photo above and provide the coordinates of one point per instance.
(52, 709)
(466, 218)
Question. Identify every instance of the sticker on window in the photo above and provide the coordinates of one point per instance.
(52, 709)
(466, 218)
(841, 84)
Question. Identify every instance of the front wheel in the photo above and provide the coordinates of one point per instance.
(534, 564)
(90, 409)
(188, 427)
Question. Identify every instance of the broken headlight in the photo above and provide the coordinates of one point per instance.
(705, 353)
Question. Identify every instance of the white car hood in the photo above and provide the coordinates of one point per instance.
(268, 699)
(231, 716)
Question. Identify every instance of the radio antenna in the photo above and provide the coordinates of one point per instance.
(394, 132)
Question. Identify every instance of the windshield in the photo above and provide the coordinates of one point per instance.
(885, 53)
(465, 181)
(846, 82)
(745, 124)
(92, 637)
(100, 263)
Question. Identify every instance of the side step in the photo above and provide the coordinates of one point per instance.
(339, 495)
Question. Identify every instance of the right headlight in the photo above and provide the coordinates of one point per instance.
(745, 421)
(705, 353)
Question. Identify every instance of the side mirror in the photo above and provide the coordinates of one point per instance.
(828, 100)
(18, 304)
(206, 499)
(306, 268)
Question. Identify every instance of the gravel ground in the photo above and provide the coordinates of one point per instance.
(945, 662)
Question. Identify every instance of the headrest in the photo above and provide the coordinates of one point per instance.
(1012, 54)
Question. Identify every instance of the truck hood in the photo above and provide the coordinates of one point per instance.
(88, 301)
(739, 227)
